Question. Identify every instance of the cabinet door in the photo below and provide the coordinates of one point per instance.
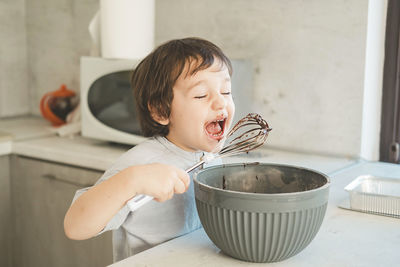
(5, 213)
(41, 194)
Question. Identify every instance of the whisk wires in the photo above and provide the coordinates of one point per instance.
(247, 134)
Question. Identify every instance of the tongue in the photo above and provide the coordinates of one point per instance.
(213, 128)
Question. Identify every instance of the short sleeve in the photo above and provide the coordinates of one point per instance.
(118, 219)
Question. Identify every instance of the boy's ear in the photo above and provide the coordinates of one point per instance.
(160, 119)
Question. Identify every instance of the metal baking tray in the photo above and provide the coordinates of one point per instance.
(373, 194)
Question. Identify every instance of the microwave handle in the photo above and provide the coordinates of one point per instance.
(138, 201)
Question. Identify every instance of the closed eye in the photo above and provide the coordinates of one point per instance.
(200, 96)
(226, 93)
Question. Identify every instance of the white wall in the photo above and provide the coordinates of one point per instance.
(308, 56)
(309, 59)
(14, 92)
(57, 36)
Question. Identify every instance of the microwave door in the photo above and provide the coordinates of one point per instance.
(111, 101)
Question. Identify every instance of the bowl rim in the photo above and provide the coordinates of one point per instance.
(249, 194)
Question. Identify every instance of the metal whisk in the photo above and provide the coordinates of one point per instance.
(247, 134)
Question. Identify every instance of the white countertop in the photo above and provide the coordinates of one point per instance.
(26, 127)
(5, 143)
(21, 128)
(77, 151)
(34, 137)
(346, 238)
(90, 153)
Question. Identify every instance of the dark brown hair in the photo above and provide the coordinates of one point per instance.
(155, 76)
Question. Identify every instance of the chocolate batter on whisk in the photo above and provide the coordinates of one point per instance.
(248, 133)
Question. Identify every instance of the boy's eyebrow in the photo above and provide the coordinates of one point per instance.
(227, 79)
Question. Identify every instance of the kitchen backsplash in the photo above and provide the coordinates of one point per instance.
(14, 91)
(307, 56)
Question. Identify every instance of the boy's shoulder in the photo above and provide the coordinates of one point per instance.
(145, 152)
(148, 151)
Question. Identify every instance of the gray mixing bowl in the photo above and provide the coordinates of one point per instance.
(261, 212)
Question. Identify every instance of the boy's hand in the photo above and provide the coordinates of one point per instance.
(159, 180)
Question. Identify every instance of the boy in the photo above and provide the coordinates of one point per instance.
(184, 102)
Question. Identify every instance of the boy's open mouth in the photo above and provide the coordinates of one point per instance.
(215, 129)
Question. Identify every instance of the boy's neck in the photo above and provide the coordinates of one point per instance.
(182, 148)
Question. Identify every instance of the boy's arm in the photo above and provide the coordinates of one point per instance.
(91, 212)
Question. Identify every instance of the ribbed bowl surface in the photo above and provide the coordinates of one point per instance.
(261, 212)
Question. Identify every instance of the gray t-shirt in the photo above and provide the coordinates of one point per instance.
(155, 222)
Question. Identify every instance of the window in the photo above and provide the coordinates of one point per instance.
(390, 118)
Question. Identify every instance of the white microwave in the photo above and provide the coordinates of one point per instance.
(108, 109)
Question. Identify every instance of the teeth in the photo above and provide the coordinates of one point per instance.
(222, 131)
(218, 134)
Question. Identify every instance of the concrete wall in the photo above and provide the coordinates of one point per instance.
(14, 87)
(57, 35)
(308, 57)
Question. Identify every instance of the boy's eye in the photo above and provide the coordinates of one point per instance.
(226, 93)
(200, 96)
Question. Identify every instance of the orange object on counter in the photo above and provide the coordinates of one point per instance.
(56, 105)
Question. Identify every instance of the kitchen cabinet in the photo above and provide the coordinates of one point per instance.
(5, 212)
(41, 193)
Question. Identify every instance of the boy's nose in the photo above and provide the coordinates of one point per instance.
(219, 102)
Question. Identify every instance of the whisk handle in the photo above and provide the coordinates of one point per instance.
(198, 164)
(138, 201)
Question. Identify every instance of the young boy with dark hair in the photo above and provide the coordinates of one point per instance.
(183, 95)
